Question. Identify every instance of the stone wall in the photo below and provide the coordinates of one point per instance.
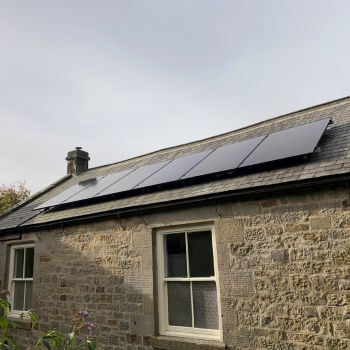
(283, 268)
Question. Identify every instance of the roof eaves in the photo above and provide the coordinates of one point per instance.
(226, 195)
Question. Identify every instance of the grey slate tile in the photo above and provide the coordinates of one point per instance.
(333, 159)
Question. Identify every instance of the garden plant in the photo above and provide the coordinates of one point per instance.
(78, 338)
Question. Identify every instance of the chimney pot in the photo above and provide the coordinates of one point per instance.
(77, 161)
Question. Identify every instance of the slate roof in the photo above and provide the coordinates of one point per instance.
(333, 159)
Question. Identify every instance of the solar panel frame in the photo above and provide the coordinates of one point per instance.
(130, 181)
(174, 170)
(103, 183)
(224, 158)
(283, 144)
(287, 143)
(68, 193)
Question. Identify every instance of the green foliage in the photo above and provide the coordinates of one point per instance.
(12, 195)
(33, 317)
(6, 341)
(75, 340)
(78, 338)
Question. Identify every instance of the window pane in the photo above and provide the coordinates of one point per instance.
(205, 305)
(200, 254)
(18, 263)
(179, 304)
(29, 293)
(18, 297)
(176, 255)
(29, 263)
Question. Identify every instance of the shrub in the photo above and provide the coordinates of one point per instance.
(78, 338)
(74, 340)
(6, 340)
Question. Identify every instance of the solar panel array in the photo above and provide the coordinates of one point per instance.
(225, 158)
(271, 147)
(288, 143)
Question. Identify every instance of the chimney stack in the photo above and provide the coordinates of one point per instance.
(78, 161)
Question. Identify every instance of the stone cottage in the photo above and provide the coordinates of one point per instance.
(255, 255)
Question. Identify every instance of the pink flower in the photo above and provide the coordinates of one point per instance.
(84, 314)
(91, 326)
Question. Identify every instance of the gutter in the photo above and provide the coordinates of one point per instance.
(223, 197)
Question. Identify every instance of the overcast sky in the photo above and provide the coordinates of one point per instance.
(123, 78)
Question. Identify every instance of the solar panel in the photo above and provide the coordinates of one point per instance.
(283, 144)
(227, 157)
(175, 169)
(133, 179)
(60, 198)
(99, 186)
(287, 143)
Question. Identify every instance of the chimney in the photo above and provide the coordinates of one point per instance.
(78, 161)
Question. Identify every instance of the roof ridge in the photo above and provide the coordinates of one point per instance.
(223, 135)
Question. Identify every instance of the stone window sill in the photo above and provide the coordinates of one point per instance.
(176, 343)
(20, 322)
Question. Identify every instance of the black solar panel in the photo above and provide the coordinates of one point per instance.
(60, 198)
(283, 144)
(99, 186)
(288, 143)
(133, 179)
(227, 157)
(175, 169)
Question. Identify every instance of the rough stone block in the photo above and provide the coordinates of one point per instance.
(223, 256)
(237, 283)
(148, 304)
(296, 227)
(280, 255)
(255, 234)
(229, 231)
(142, 324)
(318, 223)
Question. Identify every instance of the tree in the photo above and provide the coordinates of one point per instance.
(12, 194)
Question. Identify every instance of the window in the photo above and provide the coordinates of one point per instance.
(188, 289)
(21, 277)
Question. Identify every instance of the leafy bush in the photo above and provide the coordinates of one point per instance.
(72, 341)
(79, 337)
(12, 195)
(6, 340)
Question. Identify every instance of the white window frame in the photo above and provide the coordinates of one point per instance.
(164, 327)
(17, 313)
